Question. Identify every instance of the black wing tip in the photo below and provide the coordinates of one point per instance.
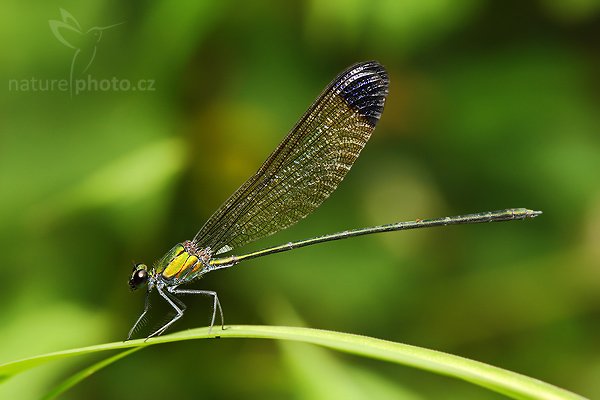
(364, 86)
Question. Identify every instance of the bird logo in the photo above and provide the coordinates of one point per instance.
(84, 43)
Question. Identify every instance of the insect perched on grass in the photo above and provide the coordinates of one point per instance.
(297, 177)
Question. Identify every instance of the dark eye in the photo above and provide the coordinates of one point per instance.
(139, 277)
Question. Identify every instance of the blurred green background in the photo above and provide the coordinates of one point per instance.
(492, 105)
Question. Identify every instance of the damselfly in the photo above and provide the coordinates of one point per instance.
(297, 177)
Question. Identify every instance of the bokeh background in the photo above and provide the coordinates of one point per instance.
(492, 105)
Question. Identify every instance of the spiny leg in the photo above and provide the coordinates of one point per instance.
(216, 304)
(175, 318)
(146, 307)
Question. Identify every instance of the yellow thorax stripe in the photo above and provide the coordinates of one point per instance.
(176, 265)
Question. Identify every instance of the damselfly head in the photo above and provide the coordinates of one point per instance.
(139, 276)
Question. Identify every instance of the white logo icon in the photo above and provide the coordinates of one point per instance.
(84, 43)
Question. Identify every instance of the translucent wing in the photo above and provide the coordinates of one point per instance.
(307, 165)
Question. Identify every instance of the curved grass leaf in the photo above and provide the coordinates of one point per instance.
(502, 381)
(84, 373)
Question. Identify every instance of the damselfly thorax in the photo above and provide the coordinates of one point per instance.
(183, 263)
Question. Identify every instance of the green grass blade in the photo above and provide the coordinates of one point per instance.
(506, 382)
(81, 375)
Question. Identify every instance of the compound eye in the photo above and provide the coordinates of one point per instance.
(139, 277)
